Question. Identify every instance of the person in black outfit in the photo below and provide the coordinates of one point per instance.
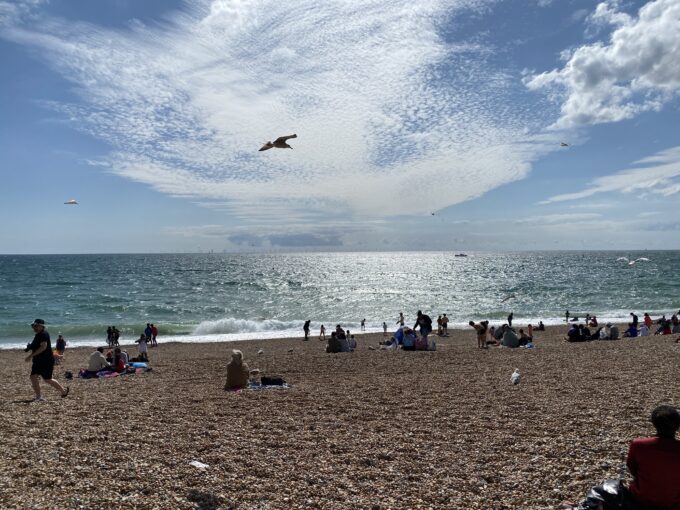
(305, 328)
(635, 319)
(43, 361)
(510, 319)
(425, 324)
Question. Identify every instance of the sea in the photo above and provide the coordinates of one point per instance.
(227, 297)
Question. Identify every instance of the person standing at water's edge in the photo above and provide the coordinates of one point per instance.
(154, 334)
(306, 329)
(510, 319)
(43, 361)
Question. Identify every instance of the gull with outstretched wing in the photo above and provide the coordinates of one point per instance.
(279, 143)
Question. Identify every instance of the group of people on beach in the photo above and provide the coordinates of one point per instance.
(583, 333)
(504, 335)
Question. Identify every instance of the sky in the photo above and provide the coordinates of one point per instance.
(420, 125)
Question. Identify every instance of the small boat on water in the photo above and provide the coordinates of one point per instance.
(460, 255)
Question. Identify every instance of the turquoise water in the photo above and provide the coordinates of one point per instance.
(204, 297)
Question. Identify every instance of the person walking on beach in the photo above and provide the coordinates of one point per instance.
(305, 328)
(322, 333)
(384, 328)
(635, 319)
(363, 324)
(116, 336)
(42, 361)
(109, 336)
(566, 316)
(400, 320)
(510, 319)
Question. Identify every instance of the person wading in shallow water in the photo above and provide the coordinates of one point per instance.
(42, 360)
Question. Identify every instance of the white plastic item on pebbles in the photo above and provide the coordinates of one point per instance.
(198, 464)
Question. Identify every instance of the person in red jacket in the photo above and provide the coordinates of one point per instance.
(654, 463)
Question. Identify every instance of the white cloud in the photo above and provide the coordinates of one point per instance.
(656, 174)
(636, 70)
(386, 122)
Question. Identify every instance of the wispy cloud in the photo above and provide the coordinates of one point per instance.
(655, 174)
(637, 70)
(383, 105)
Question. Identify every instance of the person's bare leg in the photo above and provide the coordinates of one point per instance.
(55, 384)
(35, 383)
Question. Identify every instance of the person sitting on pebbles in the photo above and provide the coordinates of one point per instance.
(237, 372)
(654, 463)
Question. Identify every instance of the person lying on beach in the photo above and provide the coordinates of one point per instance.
(654, 463)
(481, 333)
(237, 372)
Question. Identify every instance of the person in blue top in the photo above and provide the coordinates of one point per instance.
(631, 332)
(147, 332)
(42, 360)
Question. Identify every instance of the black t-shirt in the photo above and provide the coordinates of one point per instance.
(45, 357)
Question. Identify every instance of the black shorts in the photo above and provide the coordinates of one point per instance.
(44, 370)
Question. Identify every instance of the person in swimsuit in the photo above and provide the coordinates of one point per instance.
(481, 333)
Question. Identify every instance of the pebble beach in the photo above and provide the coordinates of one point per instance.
(369, 429)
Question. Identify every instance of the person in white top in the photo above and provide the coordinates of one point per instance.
(142, 348)
(97, 361)
(644, 330)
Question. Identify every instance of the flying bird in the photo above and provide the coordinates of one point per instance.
(71, 202)
(514, 378)
(279, 143)
(563, 144)
(511, 296)
(632, 262)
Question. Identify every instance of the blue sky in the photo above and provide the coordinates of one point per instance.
(151, 114)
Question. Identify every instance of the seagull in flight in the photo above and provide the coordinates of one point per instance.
(564, 144)
(632, 262)
(71, 202)
(511, 296)
(279, 143)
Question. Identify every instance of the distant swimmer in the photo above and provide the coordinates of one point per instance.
(563, 144)
(279, 143)
(71, 202)
(632, 262)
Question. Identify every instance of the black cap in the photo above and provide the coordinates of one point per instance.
(38, 322)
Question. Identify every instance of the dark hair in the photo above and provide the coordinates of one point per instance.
(100, 349)
(666, 421)
(471, 323)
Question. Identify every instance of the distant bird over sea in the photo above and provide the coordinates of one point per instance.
(279, 143)
(506, 298)
(563, 144)
(632, 262)
(71, 202)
